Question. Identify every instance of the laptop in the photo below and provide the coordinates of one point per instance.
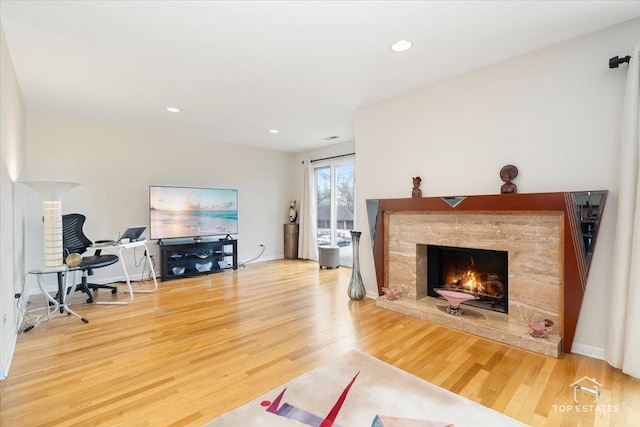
(133, 233)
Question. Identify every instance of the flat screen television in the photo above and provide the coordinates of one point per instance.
(177, 212)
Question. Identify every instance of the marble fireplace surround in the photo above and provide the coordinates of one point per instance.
(547, 271)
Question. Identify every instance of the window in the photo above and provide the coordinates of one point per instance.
(335, 196)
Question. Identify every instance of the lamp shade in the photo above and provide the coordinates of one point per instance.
(51, 193)
(51, 190)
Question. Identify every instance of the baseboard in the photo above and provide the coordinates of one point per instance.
(8, 358)
(587, 350)
(372, 295)
(133, 277)
(117, 279)
(263, 259)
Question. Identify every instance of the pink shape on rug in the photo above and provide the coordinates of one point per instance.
(289, 411)
(273, 408)
(333, 413)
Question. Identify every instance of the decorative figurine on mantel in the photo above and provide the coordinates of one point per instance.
(293, 212)
(416, 193)
(508, 173)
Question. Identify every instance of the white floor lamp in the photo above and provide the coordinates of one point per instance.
(51, 193)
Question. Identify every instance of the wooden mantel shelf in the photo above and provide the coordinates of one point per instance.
(575, 267)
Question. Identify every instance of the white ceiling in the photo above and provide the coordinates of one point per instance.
(240, 68)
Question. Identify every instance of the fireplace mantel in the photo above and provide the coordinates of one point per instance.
(574, 265)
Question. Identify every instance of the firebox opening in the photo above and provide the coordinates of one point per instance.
(481, 272)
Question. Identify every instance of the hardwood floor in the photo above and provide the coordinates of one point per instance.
(200, 347)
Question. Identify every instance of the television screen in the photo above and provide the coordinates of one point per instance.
(192, 212)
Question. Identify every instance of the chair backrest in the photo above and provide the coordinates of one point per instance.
(73, 238)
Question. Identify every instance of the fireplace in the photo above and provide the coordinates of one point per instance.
(540, 233)
(532, 242)
(480, 272)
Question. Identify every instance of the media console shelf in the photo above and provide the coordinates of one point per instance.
(192, 259)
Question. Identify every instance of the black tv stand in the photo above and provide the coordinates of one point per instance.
(193, 259)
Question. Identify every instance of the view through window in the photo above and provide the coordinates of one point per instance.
(335, 195)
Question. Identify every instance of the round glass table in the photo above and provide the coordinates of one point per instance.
(67, 279)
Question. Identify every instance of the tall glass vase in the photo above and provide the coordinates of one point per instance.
(356, 289)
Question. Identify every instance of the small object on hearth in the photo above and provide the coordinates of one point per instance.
(507, 174)
(392, 294)
(539, 328)
(416, 193)
(455, 299)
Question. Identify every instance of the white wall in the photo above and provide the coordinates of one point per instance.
(554, 113)
(12, 140)
(116, 164)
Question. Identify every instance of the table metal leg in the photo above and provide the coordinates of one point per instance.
(153, 274)
(60, 303)
(48, 299)
(126, 275)
(66, 293)
(130, 290)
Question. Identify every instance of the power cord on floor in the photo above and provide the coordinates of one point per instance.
(144, 267)
(244, 263)
(137, 263)
(29, 318)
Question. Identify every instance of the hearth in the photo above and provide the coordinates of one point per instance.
(478, 272)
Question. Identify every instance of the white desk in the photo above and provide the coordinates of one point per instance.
(119, 247)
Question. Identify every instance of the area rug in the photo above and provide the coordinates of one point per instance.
(357, 390)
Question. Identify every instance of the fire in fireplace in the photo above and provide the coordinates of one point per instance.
(480, 272)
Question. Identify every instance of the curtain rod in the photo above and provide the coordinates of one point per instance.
(329, 158)
(615, 61)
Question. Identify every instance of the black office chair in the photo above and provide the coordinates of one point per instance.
(74, 241)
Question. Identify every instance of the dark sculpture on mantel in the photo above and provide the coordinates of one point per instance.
(507, 174)
(416, 193)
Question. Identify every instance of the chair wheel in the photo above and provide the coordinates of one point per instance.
(114, 291)
(89, 300)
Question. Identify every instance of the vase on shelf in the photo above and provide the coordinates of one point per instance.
(356, 289)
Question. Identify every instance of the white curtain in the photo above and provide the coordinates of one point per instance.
(623, 330)
(307, 244)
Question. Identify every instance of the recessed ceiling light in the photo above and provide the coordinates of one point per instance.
(401, 45)
(173, 109)
(274, 131)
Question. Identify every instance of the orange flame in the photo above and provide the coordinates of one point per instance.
(469, 282)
